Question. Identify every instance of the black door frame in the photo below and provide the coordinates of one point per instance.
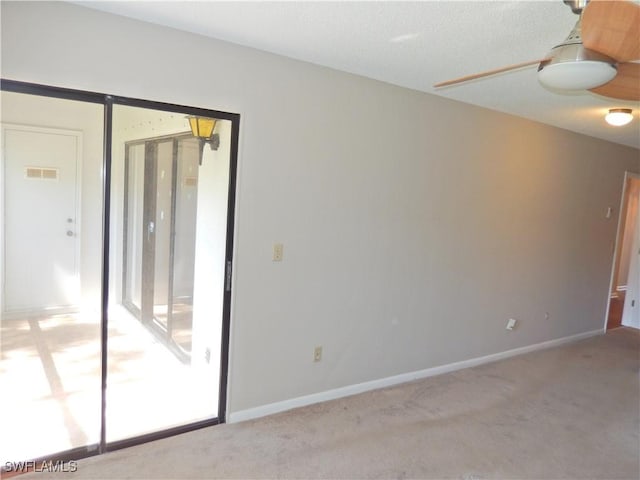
(108, 101)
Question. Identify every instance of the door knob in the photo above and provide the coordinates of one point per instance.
(69, 233)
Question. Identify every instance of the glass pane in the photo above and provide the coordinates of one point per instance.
(51, 207)
(163, 358)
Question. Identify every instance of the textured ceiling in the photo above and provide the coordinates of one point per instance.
(411, 44)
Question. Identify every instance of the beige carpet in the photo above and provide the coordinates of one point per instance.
(567, 412)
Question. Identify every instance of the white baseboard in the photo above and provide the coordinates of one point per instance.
(289, 404)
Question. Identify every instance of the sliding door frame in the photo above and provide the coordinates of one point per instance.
(108, 101)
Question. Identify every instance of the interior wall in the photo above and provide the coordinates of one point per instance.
(413, 226)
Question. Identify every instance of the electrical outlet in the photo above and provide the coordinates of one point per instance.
(277, 252)
(317, 354)
(511, 323)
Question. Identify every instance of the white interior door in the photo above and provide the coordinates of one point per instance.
(40, 221)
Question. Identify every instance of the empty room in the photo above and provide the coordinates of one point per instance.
(320, 239)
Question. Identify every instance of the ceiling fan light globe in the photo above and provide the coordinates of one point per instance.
(576, 75)
(571, 66)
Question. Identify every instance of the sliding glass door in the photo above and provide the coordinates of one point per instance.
(116, 271)
(169, 218)
(51, 237)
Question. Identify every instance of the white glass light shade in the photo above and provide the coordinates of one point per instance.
(619, 116)
(576, 75)
(571, 66)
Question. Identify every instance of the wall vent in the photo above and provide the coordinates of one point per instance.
(43, 173)
(190, 181)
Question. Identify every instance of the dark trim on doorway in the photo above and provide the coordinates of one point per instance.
(152, 437)
(226, 307)
(106, 220)
(48, 91)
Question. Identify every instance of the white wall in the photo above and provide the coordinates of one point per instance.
(413, 226)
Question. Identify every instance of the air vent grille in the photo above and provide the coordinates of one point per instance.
(42, 173)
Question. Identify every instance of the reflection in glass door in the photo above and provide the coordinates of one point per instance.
(161, 181)
(169, 215)
(183, 245)
(50, 211)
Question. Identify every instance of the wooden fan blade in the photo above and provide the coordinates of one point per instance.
(625, 85)
(612, 27)
(487, 73)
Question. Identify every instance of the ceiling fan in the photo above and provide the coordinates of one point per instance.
(598, 55)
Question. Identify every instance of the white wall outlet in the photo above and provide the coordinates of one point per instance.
(277, 252)
(511, 323)
(317, 354)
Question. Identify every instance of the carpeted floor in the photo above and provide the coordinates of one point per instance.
(567, 412)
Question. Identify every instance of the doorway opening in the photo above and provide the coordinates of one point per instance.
(625, 284)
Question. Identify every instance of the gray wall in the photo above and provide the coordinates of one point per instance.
(413, 226)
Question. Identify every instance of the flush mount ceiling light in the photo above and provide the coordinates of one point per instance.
(619, 116)
(202, 128)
